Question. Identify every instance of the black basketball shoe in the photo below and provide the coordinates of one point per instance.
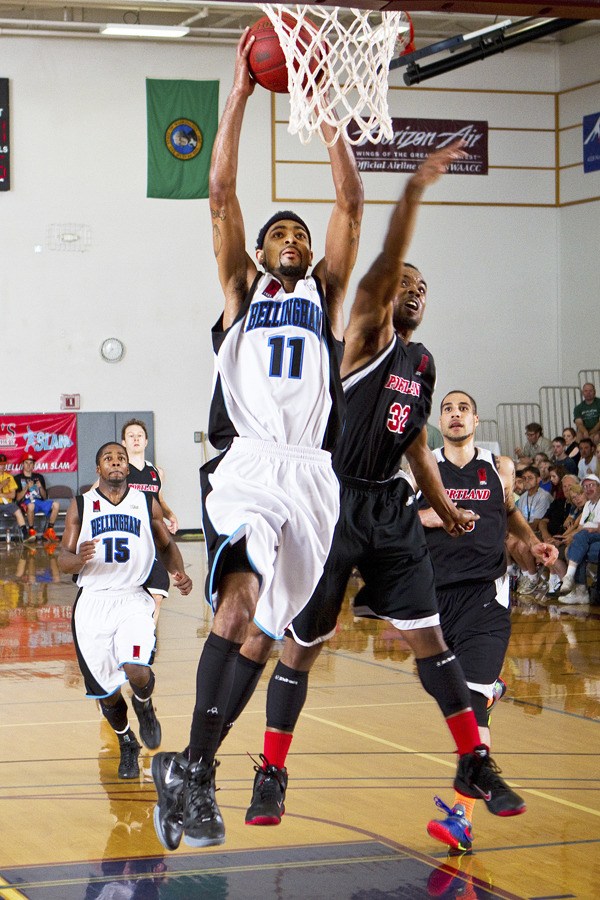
(150, 731)
(268, 795)
(202, 820)
(478, 776)
(130, 750)
(168, 774)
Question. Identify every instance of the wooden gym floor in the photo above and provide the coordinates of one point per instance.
(370, 752)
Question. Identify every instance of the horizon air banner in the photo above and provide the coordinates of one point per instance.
(414, 139)
(51, 438)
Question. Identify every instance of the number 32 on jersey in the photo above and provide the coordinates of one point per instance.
(398, 417)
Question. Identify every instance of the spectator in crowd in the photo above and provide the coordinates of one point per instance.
(575, 501)
(8, 492)
(533, 505)
(586, 414)
(535, 442)
(533, 502)
(572, 447)
(560, 455)
(33, 496)
(588, 464)
(585, 542)
(519, 486)
(553, 523)
(542, 462)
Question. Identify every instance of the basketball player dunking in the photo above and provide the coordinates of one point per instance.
(271, 499)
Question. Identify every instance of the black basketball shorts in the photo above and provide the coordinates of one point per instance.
(475, 620)
(380, 533)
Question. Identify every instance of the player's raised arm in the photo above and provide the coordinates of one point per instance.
(370, 327)
(236, 268)
(343, 231)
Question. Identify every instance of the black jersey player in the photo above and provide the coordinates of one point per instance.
(388, 382)
(471, 582)
(147, 477)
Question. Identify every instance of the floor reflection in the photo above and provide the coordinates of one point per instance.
(35, 613)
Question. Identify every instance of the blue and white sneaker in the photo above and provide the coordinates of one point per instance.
(454, 830)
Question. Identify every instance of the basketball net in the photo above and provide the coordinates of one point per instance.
(338, 72)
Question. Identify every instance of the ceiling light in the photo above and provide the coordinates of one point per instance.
(144, 31)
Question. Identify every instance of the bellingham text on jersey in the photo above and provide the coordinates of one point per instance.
(116, 522)
(296, 311)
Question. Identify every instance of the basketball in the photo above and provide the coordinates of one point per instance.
(266, 59)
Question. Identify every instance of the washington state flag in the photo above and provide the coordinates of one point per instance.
(182, 123)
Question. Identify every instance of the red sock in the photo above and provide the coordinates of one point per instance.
(465, 732)
(276, 748)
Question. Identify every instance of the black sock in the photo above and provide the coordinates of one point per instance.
(115, 715)
(286, 696)
(214, 680)
(246, 677)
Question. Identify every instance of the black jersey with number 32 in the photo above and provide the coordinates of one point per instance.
(388, 403)
(479, 554)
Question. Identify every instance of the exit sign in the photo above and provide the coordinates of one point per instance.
(70, 401)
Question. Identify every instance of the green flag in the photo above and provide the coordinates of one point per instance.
(182, 124)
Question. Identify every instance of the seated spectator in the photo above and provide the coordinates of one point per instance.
(552, 523)
(8, 492)
(572, 447)
(560, 455)
(588, 464)
(586, 414)
(535, 442)
(533, 502)
(542, 463)
(33, 497)
(519, 486)
(585, 542)
(575, 502)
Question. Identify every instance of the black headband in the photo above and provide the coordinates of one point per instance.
(280, 217)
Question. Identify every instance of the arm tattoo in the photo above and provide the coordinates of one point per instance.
(217, 242)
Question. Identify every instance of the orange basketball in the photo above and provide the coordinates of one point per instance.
(266, 59)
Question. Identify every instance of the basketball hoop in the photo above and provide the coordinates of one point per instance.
(342, 75)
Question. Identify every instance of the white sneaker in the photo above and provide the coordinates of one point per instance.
(579, 594)
(527, 583)
(567, 585)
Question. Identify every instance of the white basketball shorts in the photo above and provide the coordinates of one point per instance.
(110, 629)
(285, 501)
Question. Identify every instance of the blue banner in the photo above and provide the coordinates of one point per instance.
(591, 143)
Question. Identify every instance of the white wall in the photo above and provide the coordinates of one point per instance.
(579, 277)
(499, 295)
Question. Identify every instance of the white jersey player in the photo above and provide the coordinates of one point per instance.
(111, 536)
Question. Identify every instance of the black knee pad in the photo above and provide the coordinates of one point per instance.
(286, 696)
(145, 692)
(443, 679)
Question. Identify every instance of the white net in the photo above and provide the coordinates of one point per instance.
(338, 62)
